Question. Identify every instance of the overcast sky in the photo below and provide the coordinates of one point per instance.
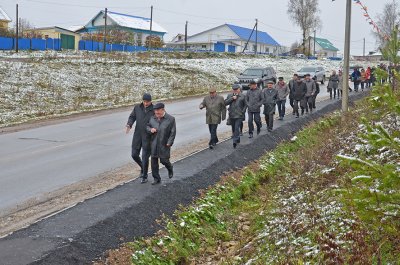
(204, 14)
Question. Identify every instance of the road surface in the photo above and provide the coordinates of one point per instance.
(36, 161)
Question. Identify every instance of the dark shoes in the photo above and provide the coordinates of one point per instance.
(156, 182)
(234, 145)
(250, 135)
(211, 146)
(270, 130)
(258, 131)
(171, 173)
(144, 180)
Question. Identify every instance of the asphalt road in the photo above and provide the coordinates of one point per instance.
(36, 161)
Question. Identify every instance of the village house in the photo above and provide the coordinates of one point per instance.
(4, 19)
(228, 38)
(323, 47)
(138, 26)
(69, 39)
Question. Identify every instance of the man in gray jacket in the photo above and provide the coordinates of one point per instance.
(270, 96)
(141, 115)
(311, 89)
(283, 92)
(237, 108)
(215, 113)
(162, 128)
(254, 101)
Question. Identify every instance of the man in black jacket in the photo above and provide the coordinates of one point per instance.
(141, 114)
(237, 109)
(299, 91)
(162, 128)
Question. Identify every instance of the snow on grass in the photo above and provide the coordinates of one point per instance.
(40, 84)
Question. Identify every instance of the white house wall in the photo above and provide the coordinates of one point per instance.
(215, 35)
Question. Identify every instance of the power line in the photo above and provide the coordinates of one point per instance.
(83, 6)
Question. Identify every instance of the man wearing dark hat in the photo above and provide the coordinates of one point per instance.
(141, 114)
(237, 109)
(162, 128)
(283, 92)
(270, 96)
(215, 113)
(254, 101)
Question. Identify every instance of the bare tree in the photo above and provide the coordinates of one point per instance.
(387, 21)
(304, 13)
(23, 25)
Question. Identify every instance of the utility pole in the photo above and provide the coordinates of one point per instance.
(364, 48)
(17, 30)
(315, 33)
(105, 30)
(256, 49)
(345, 88)
(151, 27)
(186, 35)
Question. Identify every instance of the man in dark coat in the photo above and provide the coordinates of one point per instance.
(291, 84)
(215, 113)
(270, 96)
(162, 128)
(254, 101)
(141, 114)
(237, 108)
(299, 91)
(311, 89)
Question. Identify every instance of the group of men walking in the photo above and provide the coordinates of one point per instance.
(155, 129)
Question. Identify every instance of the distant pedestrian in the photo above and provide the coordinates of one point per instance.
(141, 115)
(215, 113)
(162, 128)
(311, 89)
(317, 91)
(368, 76)
(237, 109)
(356, 77)
(270, 96)
(340, 84)
(254, 101)
(299, 91)
(333, 84)
(363, 79)
(283, 92)
(291, 84)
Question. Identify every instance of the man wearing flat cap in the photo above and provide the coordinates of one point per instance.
(141, 114)
(254, 101)
(162, 128)
(215, 113)
(237, 109)
(270, 96)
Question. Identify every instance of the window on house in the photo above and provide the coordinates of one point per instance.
(204, 46)
(267, 49)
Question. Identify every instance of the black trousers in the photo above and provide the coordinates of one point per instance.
(213, 132)
(296, 105)
(142, 162)
(155, 166)
(254, 117)
(269, 120)
(308, 103)
(333, 91)
(236, 124)
(281, 107)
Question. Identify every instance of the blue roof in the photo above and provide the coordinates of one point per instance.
(262, 37)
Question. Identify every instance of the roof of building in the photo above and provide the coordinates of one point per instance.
(262, 37)
(4, 16)
(75, 28)
(55, 28)
(134, 22)
(326, 44)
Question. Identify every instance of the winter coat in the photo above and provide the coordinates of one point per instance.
(340, 85)
(299, 90)
(270, 96)
(283, 91)
(141, 116)
(254, 100)
(363, 76)
(215, 109)
(317, 89)
(165, 135)
(291, 84)
(355, 76)
(237, 108)
(333, 82)
(311, 87)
